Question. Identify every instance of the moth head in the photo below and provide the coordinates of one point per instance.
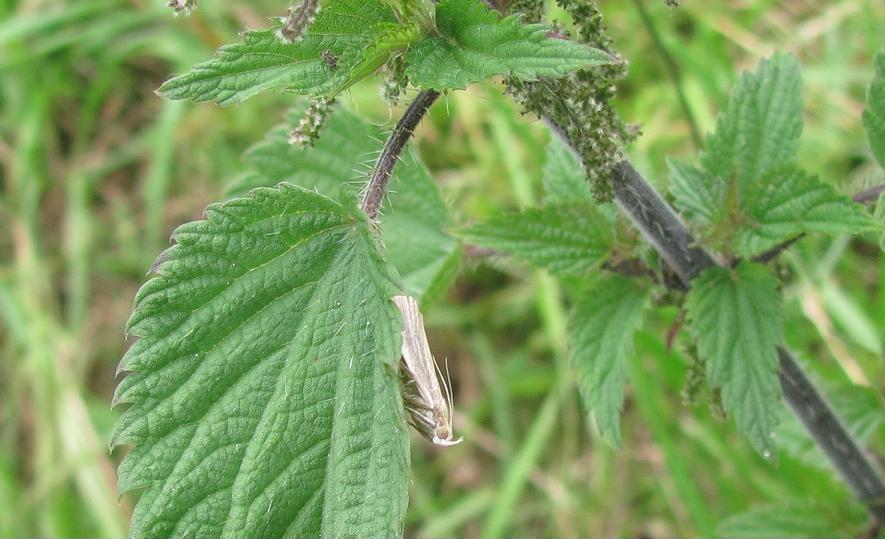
(442, 430)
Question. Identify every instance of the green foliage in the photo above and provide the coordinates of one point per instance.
(415, 217)
(469, 44)
(874, 113)
(263, 393)
(749, 196)
(565, 179)
(475, 43)
(697, 193)
(600, 345)
(759, 130)
(566, 239)
(795, 521)
(352, 30)
(787, 202)
(735, 317)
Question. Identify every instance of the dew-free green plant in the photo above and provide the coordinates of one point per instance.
(265, 393)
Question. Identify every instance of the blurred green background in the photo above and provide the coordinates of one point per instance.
(97, 171)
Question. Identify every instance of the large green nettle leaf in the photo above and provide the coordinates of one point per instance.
(566, 239)
(735, 315)
(601, 343)
(474, 43)
(874, 113)
(351, 31)
(264, 399)
(414, 218)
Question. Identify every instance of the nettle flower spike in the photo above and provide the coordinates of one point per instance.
(312, 122)
(182, 6)
(298, 19)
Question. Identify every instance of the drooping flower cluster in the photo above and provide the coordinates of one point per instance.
(579, 104)
(312, 122)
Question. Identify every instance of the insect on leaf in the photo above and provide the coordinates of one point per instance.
(428, 406)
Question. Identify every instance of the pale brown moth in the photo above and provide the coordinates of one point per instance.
(429, 407)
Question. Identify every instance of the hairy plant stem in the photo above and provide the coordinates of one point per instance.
(393, 148)
(661, 226)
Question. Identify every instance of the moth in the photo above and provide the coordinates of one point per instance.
(429, 407)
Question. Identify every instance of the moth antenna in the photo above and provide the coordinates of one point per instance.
(448, 383)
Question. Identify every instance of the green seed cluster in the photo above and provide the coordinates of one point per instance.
(308, 130)
(579, 104)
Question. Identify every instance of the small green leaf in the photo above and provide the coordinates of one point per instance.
(601, 342)
(474, 43)
(345, 29)
(264, 397)
(414, 218)
(760, 129)
(565, 239)
(794, 521)
(874, 113)
(735, 317)
(787, 202)
(565, 179)
(698, 194)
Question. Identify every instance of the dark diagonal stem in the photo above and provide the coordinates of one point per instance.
(661, 226)
(393, 148)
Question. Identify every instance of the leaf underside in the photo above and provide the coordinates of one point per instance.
(735, 317)
(565, 179)
(263, 396)
(601, 343)
(566, 239)
(414, 216)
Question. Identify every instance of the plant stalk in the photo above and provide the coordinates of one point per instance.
(661, 226)
(393, 148)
